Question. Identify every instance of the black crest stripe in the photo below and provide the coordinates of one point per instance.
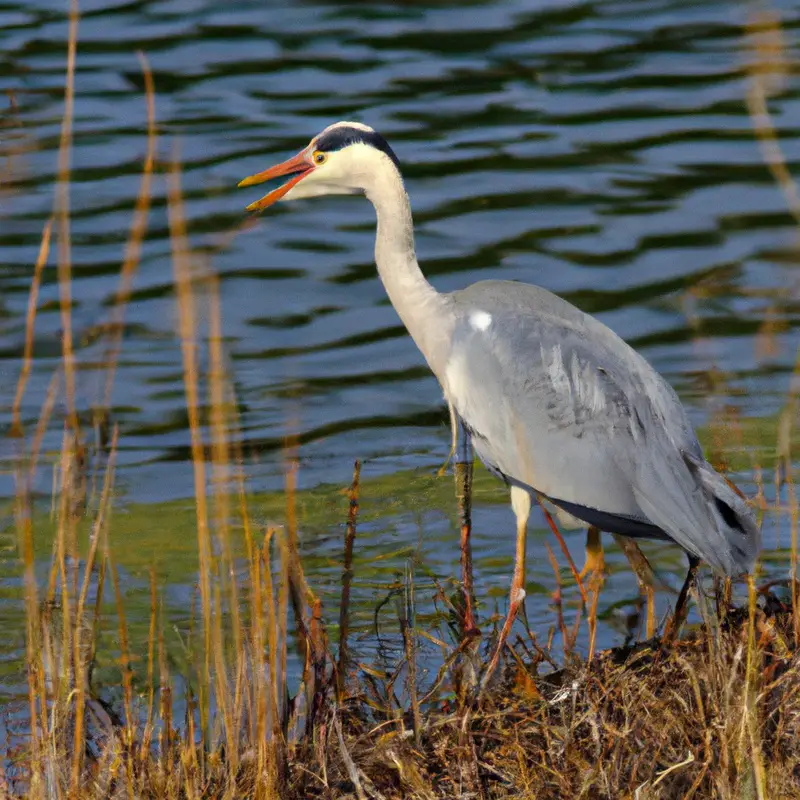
(339, 138)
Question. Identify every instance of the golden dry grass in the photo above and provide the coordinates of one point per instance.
(714, 717)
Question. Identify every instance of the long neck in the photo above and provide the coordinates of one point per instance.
(425, 313)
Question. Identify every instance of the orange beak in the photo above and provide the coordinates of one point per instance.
(297, 166)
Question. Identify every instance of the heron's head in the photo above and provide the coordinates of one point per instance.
(344, 159)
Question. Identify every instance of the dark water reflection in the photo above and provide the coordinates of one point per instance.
(602, 149)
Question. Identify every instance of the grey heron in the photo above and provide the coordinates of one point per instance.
(555, 403)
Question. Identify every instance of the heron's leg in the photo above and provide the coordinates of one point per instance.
(674, 625)
(521, 503)
(463, 476)
(595, 561)
(644, 575)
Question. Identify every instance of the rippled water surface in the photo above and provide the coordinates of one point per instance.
(601, 149)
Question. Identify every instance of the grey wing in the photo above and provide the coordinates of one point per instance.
(560, 404)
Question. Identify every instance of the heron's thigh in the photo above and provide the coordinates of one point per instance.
(521, 503)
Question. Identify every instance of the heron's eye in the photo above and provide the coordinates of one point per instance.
(320, 157)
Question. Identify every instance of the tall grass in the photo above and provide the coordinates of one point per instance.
(79, 746)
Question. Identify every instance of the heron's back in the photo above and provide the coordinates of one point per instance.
(559, 403)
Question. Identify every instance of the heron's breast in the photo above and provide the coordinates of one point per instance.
(500, 433)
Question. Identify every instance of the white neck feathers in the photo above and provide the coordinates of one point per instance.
(425, 313)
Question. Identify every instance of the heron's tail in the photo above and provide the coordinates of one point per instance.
(706, 516)
(734, 518)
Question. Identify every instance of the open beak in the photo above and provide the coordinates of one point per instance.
(297, 167)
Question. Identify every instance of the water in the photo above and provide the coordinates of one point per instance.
(603, 150)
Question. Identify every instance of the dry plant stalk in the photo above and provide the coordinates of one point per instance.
(99, 532)
(244, 662)
(30, 319)
(62, 213)
(347, 579)
(230, 706)
(565, 550)
(187, 315)
(138, 229)
(768, 68)
(408, 631)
